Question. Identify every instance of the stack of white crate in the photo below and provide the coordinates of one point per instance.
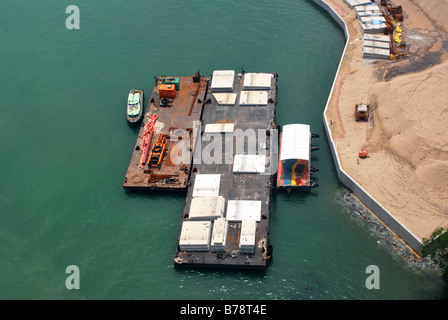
(354, 3)
(369, 16)
(247, 235)
(195, 236)
(376, 46)
(368, 11)
(219, 235)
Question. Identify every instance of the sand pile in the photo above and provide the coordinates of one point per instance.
(412, 117)
(413, 113)
(436, 10)
(407, 134)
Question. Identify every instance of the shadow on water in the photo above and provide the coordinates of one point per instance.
(298, 197)
(171, 195)
(135, 127)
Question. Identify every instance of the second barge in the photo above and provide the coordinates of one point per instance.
(294, 165)
(225, 222)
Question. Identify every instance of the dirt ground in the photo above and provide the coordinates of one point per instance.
(406, 137)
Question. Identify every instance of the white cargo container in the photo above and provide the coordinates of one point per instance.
(372, 8)
(355, 3)
(239, 210)
(219, 235)
(376, 37)
(249, 163)
(375, 53)
(219, 127)
(247, 235)
(206, 185)
(195, 236)
(253, 98)
(376, 44)
(369, 19)
(225, 99)
(257, 81)
(206, 208)
(222, 80)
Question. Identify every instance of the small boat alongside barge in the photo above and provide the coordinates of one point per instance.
(134, 106)
(294, 165)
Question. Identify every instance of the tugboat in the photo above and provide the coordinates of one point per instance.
(134, 107)
(294, 166)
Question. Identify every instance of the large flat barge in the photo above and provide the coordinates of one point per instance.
(225, 222)
(174, 106)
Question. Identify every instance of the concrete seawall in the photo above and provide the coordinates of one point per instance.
(368, 200)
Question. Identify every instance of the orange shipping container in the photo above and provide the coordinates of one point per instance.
(167, 91)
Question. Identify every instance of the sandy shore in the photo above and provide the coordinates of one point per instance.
(406, 136)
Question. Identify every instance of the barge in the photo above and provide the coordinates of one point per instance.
(225, 221)
(174, 106)
(294, 165)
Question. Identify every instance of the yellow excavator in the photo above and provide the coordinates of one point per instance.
(394, 17)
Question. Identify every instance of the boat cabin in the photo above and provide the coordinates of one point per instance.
(134, 104)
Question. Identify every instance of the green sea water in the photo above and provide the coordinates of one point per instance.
(65, 147)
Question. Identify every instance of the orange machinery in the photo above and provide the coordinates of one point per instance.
(167, 91)
(157, 152)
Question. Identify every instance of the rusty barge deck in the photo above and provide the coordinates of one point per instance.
(225, 222)
(160, 167)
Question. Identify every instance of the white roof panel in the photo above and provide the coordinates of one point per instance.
(206, 185)
(195, 235)
(369, 52)
(367, 7)
(370, 13)
(225, 99)
(295, 142)
(369, 19)
(237, 210)
(219, 233)
(372, 27)
(376, 44)
(219, 127)
(254, 98)
(257, 81)
(376, 37)
(206, 208)
(247, 235)
(249, 163)
(222, 80)
(354, 3)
